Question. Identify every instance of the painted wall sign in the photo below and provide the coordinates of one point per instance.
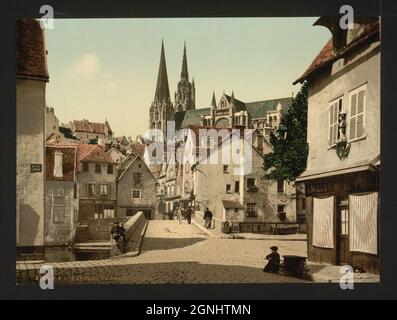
(36, 167)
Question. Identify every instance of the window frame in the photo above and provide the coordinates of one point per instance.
(98, 165)
(350, 94)
(136, 190)
(339, 100)
(110, 169)
(86, 165)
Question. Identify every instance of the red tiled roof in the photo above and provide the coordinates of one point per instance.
(93, 153)
(93, 127)
(138, 149)
(68, 162)
(327, 54)
(30, 50)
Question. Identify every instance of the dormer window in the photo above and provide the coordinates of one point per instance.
(58, 167)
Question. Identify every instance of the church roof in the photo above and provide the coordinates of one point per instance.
(184, 73)
(240, 106)
(259, 109)
(188, 118)
(162, 88)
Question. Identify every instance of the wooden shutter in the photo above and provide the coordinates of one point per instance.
(333, 122)
(357, 113)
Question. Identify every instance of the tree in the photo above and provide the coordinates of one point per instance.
(289, 157)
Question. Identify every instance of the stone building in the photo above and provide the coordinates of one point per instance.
(51, 125)
(96, 184)
(136, 189)
(31, 80)
(61, 204)
(161, 110)
(342, 175)
(238, 193)
(91, 132)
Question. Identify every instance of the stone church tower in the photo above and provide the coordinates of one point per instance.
(185, 95)
(161, 109)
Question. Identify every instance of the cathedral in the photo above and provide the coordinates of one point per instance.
(264, 116)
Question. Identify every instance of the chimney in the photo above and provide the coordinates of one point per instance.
(58, 164)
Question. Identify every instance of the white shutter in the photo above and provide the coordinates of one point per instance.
(363, 223)
(333, 122)
(323, 222)
(357, 113)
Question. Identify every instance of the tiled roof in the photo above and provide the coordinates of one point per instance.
(190, 117)
(68, 162)
(30, 50)
(327, 54)
(138, 149)
(92, 127)
(239, 105)
(93, 153)
(259, 109)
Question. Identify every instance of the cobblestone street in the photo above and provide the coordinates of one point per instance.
(182, 253)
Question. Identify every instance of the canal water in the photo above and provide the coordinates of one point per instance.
(67, 254)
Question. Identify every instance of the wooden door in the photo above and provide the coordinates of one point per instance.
(344, 256)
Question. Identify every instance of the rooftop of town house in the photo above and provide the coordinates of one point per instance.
(69, 153)
(91, 127)
(30, 50)
(92, 153)
(328, 55)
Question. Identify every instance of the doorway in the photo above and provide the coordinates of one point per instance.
(343, 253)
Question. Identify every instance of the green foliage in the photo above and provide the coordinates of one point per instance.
(289, 157)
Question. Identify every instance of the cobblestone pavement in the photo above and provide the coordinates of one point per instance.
(182, 253)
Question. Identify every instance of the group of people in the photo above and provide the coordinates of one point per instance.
(187, 213)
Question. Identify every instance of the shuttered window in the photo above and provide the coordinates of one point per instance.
(357, 100)
(334, 109)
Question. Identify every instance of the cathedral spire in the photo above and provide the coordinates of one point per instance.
(162, 89)
(213, 102)
(184, 73)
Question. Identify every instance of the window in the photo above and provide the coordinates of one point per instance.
(98, 168)
(280, 186)
(237, 186)
(225, 169)
(251, 210)
(58, 215)
(335, 108)
(108, 211)
(136, 194)
(344, 222)
(103, 190)
(228, 188)
(281, 209)
(357, 100)
(91, 190)
(110, 169)
(303, 204)
(251, 182)
(86, 166)
(137, 177)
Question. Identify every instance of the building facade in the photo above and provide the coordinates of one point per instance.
(136, 190)
(342, 175)
(96, 184)
(91, 132)
(31, 81)
(61, 204)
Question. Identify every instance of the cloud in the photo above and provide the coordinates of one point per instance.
(86, 66)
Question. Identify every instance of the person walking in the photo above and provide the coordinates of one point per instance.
(179, 214)
(188, 214)
(207, 218)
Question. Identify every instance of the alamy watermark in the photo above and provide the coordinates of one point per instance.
(47, 279)
(47, 20)
(347, 279)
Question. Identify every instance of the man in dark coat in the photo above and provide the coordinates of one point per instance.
(188, 214)
(273, 265)
(207, 218)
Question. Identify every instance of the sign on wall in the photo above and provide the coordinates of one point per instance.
(36, 167)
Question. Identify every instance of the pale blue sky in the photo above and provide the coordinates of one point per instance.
(107, 68)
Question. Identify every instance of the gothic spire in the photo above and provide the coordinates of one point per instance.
(184, 73)
(213, 102)
(162, 89)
